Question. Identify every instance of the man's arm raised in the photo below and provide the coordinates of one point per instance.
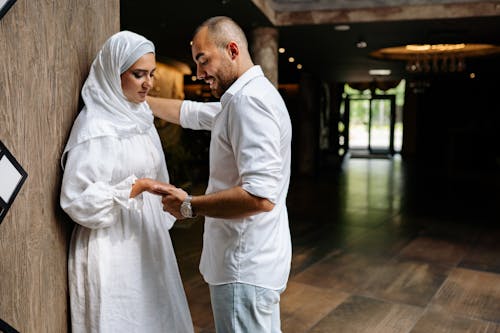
(166, 108)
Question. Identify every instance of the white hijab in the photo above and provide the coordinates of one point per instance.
(107, 111)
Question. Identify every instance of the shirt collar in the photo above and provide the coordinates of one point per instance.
(248, 76)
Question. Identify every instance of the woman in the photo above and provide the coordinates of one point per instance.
(123, 274)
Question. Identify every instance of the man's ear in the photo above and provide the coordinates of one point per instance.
(233, 49)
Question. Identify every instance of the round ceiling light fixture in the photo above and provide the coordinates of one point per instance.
(435, 57)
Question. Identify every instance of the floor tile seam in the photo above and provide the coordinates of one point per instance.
(398, 260)
(337, 290)
(348, 295)
(426, 309)
(316, 322)
(392, 302)
(401, 257)
(365, 292)
(325, 257)
(473, 317)
(452, 240)
(483, 270)
(472, 247)
(436, 307)
(350, 291)
(448, 270)
(351, 249)
(311, 328)
(432, 300)
(378, 272)
(341, 252)
(476, 271)
(432, 307)
(297, 275)
(296, 272)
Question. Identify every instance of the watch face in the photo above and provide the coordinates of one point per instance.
(186, 209)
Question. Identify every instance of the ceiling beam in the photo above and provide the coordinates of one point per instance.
(399, 13)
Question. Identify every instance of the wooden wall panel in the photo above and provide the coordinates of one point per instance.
(46, 47)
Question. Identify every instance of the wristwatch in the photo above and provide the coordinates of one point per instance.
(186, 209)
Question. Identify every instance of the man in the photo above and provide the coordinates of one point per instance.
(246, 243)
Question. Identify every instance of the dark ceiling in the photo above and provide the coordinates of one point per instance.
(324, 52)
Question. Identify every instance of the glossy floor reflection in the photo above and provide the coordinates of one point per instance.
(373, 252)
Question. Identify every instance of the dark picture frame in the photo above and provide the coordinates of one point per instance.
(5, 6)
(6, 328)
(14, 178)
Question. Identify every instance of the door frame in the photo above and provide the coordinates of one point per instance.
(392, 121)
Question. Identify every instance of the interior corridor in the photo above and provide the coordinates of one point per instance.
(377, 250)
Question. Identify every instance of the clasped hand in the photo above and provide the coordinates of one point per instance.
(172, 197)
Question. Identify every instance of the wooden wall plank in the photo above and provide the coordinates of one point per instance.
(46, 48)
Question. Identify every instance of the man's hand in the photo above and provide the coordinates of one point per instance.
(172, 199)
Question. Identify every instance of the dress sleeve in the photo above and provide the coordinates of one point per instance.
(88, 194)
(198, 115)
(254, 132)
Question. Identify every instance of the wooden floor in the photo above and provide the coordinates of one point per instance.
(375, 250)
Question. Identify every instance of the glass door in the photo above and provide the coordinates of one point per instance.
(358, 110)
(381, 128)
(371, 124)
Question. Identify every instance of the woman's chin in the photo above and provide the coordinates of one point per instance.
(140, 99)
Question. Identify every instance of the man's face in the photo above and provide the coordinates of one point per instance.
(213, 65)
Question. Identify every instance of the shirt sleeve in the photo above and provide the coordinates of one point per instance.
(254, 133)
(88, 194)
(198, 115)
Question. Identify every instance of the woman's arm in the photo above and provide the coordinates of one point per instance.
(88, 195)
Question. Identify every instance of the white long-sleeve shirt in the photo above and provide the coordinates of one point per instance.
(250, 147)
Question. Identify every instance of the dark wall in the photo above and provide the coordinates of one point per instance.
(456, 126)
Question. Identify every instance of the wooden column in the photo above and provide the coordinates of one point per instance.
(46, 48)
(264, 51)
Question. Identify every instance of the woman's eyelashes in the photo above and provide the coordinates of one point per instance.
(141, 74)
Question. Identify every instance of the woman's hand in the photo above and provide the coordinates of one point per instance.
(148, 185)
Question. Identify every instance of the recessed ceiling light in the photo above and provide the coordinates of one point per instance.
(361, 44)
(384, 72)
(299, 66)
(291, 59)
(342, 27)
(281, 50)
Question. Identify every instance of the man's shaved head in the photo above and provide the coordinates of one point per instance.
(222, 30)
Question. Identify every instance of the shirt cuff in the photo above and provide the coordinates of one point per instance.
(121, 194)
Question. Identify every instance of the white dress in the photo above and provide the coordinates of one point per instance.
(123, 274)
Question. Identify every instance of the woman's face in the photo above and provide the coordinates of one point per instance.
(138, 79)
